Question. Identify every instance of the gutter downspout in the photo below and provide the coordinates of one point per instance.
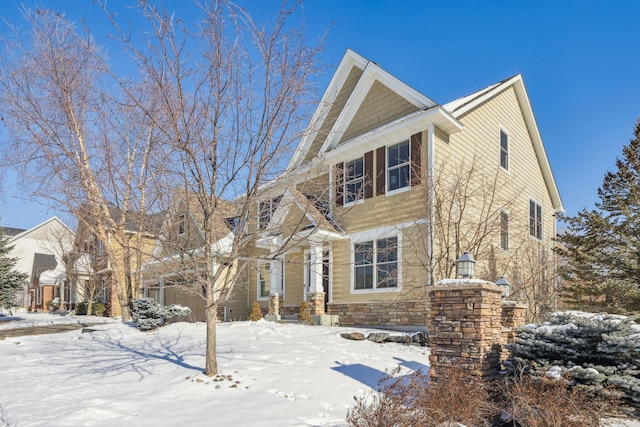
(430, 200)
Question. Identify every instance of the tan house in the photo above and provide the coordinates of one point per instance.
(93, 275)
(387, 188)
(173, 274)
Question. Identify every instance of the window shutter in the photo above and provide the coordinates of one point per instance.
(368, 175)
(380, 171)
(416, 150)
(339, 184)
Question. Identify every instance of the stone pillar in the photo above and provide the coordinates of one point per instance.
(275, 302)
(511, 319)
(464, 327)
(316, 303)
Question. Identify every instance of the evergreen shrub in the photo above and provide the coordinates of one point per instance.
(598, 353)
(149, 315)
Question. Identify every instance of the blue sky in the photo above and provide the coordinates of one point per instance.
(579, 60)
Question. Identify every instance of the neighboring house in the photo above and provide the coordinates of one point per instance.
(41, 251)
(169, 278)
(362, 221)
(93, 267)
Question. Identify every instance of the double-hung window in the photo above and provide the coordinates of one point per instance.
(376, 264)
(264, 279)
(504, 230)
(535, 219)
(504, 150)
(266, 210)
(398, 166)
(354, 180)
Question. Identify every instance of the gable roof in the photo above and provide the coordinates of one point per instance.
(51, 220)
(370, 74)
(345, 101)
(462, 106)
(321, 227)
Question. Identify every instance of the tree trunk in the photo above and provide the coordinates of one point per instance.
(211, 360)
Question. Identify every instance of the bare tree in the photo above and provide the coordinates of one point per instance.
(75, 144)
(474, 207)
(228, 107)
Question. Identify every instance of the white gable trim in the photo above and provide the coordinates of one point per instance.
(349, 60)
(534, 133)
(42, 224)
(372, 73)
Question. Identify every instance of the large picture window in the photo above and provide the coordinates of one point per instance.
(354, 180)
(535, 219)
(398, 166)
(376, 264)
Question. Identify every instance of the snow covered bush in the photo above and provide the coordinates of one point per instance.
(598, 353)
(148, 314)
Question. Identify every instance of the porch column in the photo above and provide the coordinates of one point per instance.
(275, 286)
(316, 291)
(161, 296)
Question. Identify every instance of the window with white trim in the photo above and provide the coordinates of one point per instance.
(398, 166)
(181, 223)
(266, 210)
(264, 279)
(354, 180)
(504, 150)
(375, 264)
(535, 219)
(504, 230)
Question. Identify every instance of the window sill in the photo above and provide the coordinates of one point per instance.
(398, 190)
(355, 202)
(376, 290)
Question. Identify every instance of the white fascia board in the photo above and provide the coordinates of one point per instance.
(372, 73)
(538, 146)
(525, 105)
(42, 224)
(396, 130)
(349, 60)
(488, 94)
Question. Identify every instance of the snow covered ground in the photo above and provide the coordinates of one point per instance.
(274, 375)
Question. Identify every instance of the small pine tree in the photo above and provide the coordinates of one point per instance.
(11, 281)
(256, 312)
(305, 316)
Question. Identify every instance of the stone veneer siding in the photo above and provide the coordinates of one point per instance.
(383, 313)
(469, 327)
(465, 329)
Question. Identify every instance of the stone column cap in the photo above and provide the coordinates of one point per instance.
(459, 284)
(515, 304)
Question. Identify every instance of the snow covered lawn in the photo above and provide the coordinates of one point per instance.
(274, 375)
